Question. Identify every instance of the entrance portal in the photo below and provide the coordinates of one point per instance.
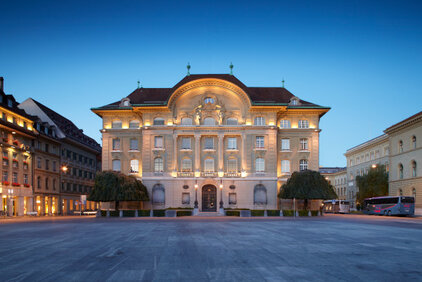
(209, 198)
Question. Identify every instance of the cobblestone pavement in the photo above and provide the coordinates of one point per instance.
(329, 248)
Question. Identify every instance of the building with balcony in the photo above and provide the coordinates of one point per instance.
(211, 138)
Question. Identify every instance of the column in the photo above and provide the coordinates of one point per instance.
(243, 152)
(197, 152)
(50, 205)
(175, 153)
(220, 152)
(20, 207)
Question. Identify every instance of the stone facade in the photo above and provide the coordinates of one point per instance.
(212, 138)
(336, 176)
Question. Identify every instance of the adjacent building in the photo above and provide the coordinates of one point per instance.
(336, 176)
(212, 139)
(76, 158)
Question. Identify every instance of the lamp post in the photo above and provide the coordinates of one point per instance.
(64, 169)
(221, 198)
(195, 209)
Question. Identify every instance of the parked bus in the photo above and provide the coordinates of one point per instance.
(389, 205)
(339, 206)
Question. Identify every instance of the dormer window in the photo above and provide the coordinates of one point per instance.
(294, 101)
(209, 100)
(9, 103)
(125, 102)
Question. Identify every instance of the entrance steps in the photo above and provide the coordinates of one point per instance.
(209, 214)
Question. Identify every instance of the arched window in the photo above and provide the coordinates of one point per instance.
(259, 121)
(187, 165)
(209, 121)
(116, 124)
(260, 195)
(116, 144)
(303, 165)
(232, 165)
(209, 165)
(158, 165)
(158, 194)
(231, 121)
(186, 121)
(400, 146)
(400, 192)
(158, 121)
(400, 171)
(414, 173)
(259, 165)
(209, 100)
(134, 124)
(134, 166)
(116, 165)
(414, 142)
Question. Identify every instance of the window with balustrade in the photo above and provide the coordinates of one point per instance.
(186, 165)
(259, 165)
(232, 143)
(158, 164)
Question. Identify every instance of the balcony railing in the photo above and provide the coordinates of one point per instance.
(232, 174)
(185, 174)
(209, 174)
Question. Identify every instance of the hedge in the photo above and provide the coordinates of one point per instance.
(232, 213)
(257, 212)
(314, 213)
(180, 208)
(183, 213)
(159, 213)
(129, 213)
(114, 213)
(143, 213)
(273, 212)
(303, 213)
(103, 213)
(288, 213)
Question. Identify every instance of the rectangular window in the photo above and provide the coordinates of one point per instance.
(25, 179)
(285, 166)
(54, 166)
(134, 144)
(232, 143)
(15, 177)
(232, 165)
(47, 162)
(186, 143)
(259, 121)
(285, 144)
(209, 165)
(259, 142)
(5, 175)
(158, 142)
(38, 162)
(284, 123)
(232, 199)
(185, 198)
(116, 144)
(209, 143)
(303, 123)
(46, 148)
(304, 144)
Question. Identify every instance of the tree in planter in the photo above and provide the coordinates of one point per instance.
(373, 184)
(111, 186)
(307, 185)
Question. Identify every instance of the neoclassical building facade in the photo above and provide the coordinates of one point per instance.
(211, 140)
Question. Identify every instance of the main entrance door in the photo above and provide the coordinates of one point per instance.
(209, 198)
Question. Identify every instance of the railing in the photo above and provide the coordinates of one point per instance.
(209, 174)
(232, 174)
(185, 174)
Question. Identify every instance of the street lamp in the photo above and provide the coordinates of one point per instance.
(64, 168)
(221, 198)
(374, 166)
(195, 209)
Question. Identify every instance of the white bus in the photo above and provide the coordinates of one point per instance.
(336, 206)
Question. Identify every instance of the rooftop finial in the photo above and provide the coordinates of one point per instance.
(282, 85)
(138, 83)
(188, 67)
(231, 68)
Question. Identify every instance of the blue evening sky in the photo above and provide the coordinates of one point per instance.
(362, 58)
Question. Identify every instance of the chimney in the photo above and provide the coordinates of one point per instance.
(1, 83)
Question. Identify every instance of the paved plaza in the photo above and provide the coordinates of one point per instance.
(329, 248)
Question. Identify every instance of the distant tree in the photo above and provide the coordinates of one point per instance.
(307, 185)
(111, 186)
(373, 184)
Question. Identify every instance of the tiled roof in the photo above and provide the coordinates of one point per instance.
(69, 128)
(258, 95)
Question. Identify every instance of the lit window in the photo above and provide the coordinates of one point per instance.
(209, 143)
(186, 143)
(304, 144)
(232, 165)
(116, 144)
(158, 165)
(285, 144)
(133, 144)
(285, 123)
(209, 100)
(303, 124)
(209, 165)
(259, 121)
(158, 142)
(232, 143)
(303, 165)
(116, 165)
(186, 121)
(158, 121)
(231, 121)
(134, 124)
(116, 124)
(259, 142)
(134, 166)
(209, 121)
(285, 166)
(259, 165)
(186, 165)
